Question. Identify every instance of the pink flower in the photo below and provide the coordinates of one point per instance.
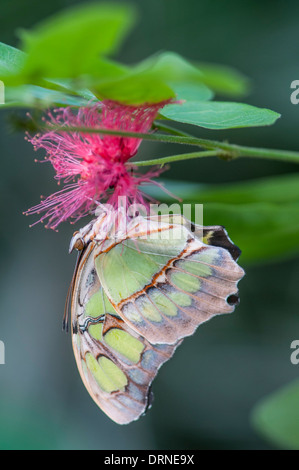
(93, 166)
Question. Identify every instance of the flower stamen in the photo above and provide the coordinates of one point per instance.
(93, 166)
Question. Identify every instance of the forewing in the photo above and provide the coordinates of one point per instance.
(116, 364)
(214, 235)
(166, 284)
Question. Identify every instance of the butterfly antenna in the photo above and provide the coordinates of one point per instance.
(65, 320)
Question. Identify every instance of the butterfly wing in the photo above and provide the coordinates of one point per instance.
(165, 281)
(214, 235)
(116, 364)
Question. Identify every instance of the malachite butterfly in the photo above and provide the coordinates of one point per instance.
(136, 293)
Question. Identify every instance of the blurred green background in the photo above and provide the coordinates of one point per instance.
(205, 394)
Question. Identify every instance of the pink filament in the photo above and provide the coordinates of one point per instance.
(93, 166)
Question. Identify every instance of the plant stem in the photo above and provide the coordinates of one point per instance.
(227, 152)
(174, 139)
(170, 130)
(271, 154)
(237, 150)
(221, 149)
(175, 158)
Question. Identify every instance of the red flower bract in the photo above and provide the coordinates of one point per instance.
(93, 166)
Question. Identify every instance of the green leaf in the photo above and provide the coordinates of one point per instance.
(277, 189)
(274, 189)
(224, 80)
(155, 79)
(170, 67)
(35, 96)
(11, 60)
(263, 231)
(69, 44)
(137, 92)
(68, 86)
(192, 91)
(134, 90)
(219, 115)
(277, 417)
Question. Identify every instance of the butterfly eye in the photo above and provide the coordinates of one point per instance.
(77, 243)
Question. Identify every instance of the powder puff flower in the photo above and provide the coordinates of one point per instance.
(92, 166)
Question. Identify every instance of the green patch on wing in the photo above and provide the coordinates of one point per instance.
(180, 299)
(99, 304)
(148, 310)
(109, 377)
(132, 314)
(132, 268)
(125, 344)
(186, 282)
(162, 303)
(96, 331)
(95, 306)
(195, 267)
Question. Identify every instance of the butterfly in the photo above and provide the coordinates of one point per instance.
(138, 289)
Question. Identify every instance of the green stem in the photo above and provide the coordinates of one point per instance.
(175, 158)
(237, 150)
(173, 139)
(222, 149)
(164, 128)
(271, 154)
(227, 152)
